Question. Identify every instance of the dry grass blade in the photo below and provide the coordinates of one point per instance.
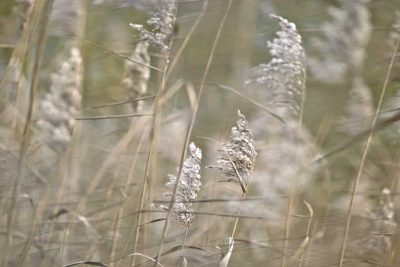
(150, 222)
(299, 251)
(224, 262)
(92, 263)
(184, 262)
(359, 137)
(257, 104)
(121, 56)
(112, 117)
(311, 215)
(119, 103)
(12, 216)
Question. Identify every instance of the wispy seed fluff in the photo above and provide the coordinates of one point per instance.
(188, 187)
(137, 75)
(61, 105)
(162, 23)
(283, 78)
(341, 49)
(238, 157)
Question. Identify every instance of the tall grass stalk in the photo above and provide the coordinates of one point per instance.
(12, 215)
(364, 156)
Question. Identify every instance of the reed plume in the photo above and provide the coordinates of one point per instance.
(137, 75)
(340, 51)
(282, 80)
(61, 104)
(187, 189)
(162, 23)
(238, 157)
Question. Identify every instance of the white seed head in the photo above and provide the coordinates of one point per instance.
(187, 188)
(238, 157)
(162, 23)
(61, 104)
(282, 80)
(340, 50)
(137, 74)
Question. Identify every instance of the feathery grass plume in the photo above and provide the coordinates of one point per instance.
(360, 108)
(238, 157)
(284, 76)
(382, 228)
(340, 50)
(137, 75)
(162, 23)
(188, 187)
(23, 10)
(61, 105)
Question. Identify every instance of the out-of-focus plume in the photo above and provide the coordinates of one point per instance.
(340, 51)
(62, 103)
(67, 19)
(137, 75)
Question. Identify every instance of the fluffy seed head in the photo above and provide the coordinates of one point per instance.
(137, 75)
(162, 22)
(282, 80)
(237, 158)
(61, 105)
(340, 50)
(187, 188)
